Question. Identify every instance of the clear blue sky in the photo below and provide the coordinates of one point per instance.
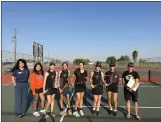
(92, 30)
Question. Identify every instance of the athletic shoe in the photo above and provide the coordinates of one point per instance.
(94, 112)
(46, 115)
(20, 116)
(42, 111)
(128, 116)
(110, 112)
(63, 113)
(76, 114)
(24, 114)
(81, 113)
(98, 113)
(137, 117)
(52, 114)
(69, 112)
(36, 113)
(115, 113)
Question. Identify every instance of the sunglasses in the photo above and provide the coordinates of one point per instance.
(130, 66)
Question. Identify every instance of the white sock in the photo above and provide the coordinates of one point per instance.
(115, 110)
(111, 109)
(98, 109)
(94, 108)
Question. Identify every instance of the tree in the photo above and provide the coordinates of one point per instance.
(142, 61)
(124, 58)
(135, 55)
(111, 59)
(78, 60)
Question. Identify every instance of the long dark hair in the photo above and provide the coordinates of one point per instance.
(64, 63)
(41, 71)
(78, 69)
(51, 63)
(16, 66)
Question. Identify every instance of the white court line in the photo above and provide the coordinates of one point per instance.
(61, 119)
(145, 86)
(145, 107)
(141, 86)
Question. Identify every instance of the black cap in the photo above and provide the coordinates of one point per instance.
(112, 65)
(98, 64)
(130, 64)
(52, 63)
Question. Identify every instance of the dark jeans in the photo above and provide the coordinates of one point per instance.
(21, 93)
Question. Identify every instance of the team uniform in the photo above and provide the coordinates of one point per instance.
(97, 81)
(112, 77)
(80, 82)
(127, 94)
(50, 81)
(64, 77)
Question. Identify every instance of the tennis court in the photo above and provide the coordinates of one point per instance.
(149, 107)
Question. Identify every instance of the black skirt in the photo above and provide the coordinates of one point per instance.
(80, 88)
(98, 90)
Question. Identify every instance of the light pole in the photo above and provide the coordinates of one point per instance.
(14, 40)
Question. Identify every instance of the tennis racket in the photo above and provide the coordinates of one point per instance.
(111, 81)
(46, 91)
(64, 84)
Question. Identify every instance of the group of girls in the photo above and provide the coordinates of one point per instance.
(50, 81)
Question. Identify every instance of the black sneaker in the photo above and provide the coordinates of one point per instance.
(94, 112)
(24, 114)
(98, 113)
(115, 113)
(110, 112)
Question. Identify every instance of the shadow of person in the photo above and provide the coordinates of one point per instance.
(43, 119)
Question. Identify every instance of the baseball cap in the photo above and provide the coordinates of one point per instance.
(130, 64)
(112, 65)
(98, 64)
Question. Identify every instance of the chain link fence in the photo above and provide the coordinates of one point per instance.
(8, 61)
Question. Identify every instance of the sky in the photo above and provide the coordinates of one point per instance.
(93, 30)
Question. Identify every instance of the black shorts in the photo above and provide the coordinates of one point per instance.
(98, 90)
(38, 91)
(80, 88)
(113, 88)
(52, 91)
(128, 95)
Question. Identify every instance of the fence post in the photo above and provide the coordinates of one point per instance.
(149, 78)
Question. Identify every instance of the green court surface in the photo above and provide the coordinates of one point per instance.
(149, 107)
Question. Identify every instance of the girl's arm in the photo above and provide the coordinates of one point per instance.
(91, 80)
(14, 77)
(14, 80)
(45, 78)
(57, 80)
(59, 77)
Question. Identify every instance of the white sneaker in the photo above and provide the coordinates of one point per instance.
(76, 114)
(128, 116)
(81, 113)
(42, 111)
(36, 113)
(52, 114)
(46, 115)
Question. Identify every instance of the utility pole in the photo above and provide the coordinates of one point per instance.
(14, 40)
